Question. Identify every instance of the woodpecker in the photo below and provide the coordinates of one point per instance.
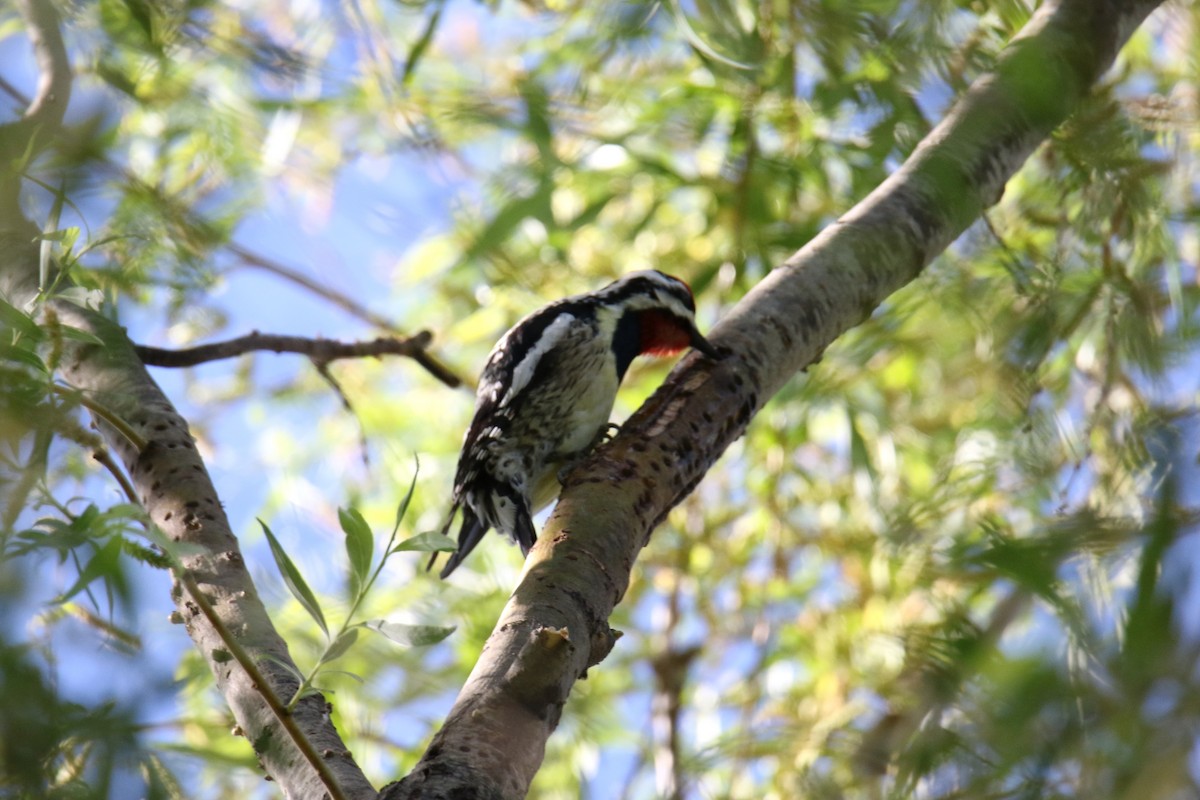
(546, 393)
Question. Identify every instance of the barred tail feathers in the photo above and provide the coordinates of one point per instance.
(523, 530)
(469, 535)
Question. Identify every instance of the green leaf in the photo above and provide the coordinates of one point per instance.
(325, 673)
(428, 542)
(360, 544)
(339, 646)
(506, 221)
(860, 457)
(80, 335)
(410, 635)
(66, 236)
(104, 564)
(287, 667)
(21, 355)
(293, 579)
(422, 44)
(18, 320)
(402, 509)
(173, 550)
(83, 297)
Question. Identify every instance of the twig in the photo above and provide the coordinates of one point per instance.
(105, 413)
(264, 687)
(251, 259)
(323, 371)
(319, 350)
(345, 302)
(105, 459)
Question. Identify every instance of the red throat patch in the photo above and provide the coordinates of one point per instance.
(662, 334)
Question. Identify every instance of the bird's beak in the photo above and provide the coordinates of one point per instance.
(703, 345)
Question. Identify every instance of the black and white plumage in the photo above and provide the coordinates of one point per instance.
(546, 393)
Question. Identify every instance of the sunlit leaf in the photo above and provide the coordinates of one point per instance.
(339, 646)
(19, 321)
(427, 542)
(293, 580)
(402, 509)
(410, 635)
(360, 545)
(103, 565)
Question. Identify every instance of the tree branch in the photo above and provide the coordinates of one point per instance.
(235, 650)
(319, 350)
(173, 486)
(54, 85)
(494, 738)
(24, 138)
(251, 259)
(170, 481)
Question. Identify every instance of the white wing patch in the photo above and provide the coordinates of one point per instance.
(524, 369)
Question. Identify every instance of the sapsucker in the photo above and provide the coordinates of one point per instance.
(546, 393)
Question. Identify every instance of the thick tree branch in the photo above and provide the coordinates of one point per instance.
(169, 479)
(173, 486)
(494, 738)
(320, 350)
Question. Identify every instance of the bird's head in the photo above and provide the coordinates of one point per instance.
(656, 315)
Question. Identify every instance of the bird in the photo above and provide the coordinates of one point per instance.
(545, 396)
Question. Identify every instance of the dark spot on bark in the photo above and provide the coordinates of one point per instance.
(167, 517)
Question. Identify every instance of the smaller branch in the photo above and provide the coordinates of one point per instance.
(105, 459)
(239, 654)
(16, 94)
(348, 304)
(343, 301)
(40, 124)
(54, 84)
(108, 415)
(323, 371)
(319, 350)
(264, 687)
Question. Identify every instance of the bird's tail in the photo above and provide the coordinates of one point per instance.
(469, 535)
(523, 531)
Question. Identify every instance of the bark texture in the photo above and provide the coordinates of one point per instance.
(494, 739)
(168, 474)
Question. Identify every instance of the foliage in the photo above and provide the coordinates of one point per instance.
(953, 560)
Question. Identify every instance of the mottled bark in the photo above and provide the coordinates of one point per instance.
(167, 474)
